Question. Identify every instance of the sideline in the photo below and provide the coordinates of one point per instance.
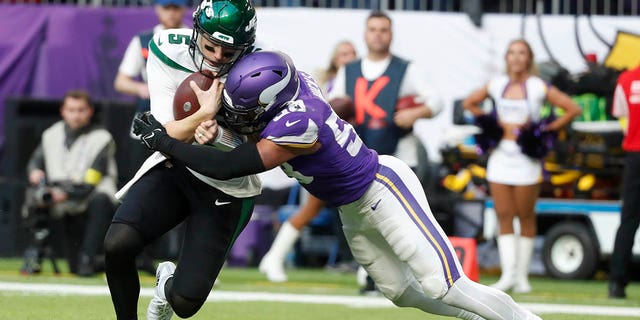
(350, 301)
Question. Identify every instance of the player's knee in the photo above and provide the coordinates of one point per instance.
(184, 307)
(122, 241)
(434, 287)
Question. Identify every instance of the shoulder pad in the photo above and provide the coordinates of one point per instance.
(293, 126)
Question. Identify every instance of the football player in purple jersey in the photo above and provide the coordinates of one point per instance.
(386, 218)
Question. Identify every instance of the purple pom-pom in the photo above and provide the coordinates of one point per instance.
(491, 132)
(534, 141)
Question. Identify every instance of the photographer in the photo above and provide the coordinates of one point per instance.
(74, 174)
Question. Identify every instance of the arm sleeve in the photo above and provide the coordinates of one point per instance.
(132, 62)
(241, 161)
(37, 160)
(415, 81)
(620, 107)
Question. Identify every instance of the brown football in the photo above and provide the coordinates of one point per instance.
(185, 102)
(344, 108)
(408, 102)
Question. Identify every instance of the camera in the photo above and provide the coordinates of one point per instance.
(42, 195)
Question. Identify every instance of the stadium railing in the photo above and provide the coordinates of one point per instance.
(570, 7)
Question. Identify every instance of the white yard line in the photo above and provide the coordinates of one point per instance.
(351, 301)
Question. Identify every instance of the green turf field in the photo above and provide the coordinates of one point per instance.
(21, 305)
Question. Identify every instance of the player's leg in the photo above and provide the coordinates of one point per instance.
(210, 232)
(272, 263)
(504, 200)
(393, 277)
(153, 206)
(525, 197)
(488, 302)
(416, 238)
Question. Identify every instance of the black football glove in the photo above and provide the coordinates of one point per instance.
(148, 129)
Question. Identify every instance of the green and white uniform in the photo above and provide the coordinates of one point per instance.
(168, 65)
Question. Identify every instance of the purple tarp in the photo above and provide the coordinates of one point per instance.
(46, 50)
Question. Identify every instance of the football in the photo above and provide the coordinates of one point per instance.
(344, 108)
(408, 102)
(185, 102)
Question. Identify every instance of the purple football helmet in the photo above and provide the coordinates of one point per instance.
(258, 86)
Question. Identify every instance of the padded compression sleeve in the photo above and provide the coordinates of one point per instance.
(241, 161)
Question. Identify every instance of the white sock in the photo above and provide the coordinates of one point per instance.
(282, 244)
(485, 301)
(413, 297)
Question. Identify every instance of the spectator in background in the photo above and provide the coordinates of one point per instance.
(272, 264)
(514, 178)
(626, 105)
(132, 75)
(375, 83)
(75, 161)
(343, 53)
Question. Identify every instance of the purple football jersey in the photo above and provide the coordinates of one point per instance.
(342, 169)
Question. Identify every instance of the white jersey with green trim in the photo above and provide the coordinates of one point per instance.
(169, 63)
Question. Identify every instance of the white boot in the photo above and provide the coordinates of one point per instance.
(159, 308)
(272, 264)
(524, 252)
(507, 250)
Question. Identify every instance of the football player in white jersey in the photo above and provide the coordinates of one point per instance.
(164, 192)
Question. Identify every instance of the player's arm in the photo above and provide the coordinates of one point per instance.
(246, 159)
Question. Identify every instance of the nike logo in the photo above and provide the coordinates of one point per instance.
(289, 124)
(160, 41)
(221, 203)
(375, 206)
(149, 136)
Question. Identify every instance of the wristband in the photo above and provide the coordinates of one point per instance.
(226, 140)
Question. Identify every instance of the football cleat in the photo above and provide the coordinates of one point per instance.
(159, 308)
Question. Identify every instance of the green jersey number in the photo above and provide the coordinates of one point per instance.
(179, 38)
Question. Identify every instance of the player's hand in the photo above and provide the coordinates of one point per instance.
(148, 129)
(210, 100)
(206, 131)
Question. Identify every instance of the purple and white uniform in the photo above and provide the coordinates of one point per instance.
(343, 163)
(385, 214)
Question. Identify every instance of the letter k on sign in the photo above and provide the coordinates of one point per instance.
(365, 96)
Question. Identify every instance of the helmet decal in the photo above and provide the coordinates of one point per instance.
(257, 88)
(269, 94)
